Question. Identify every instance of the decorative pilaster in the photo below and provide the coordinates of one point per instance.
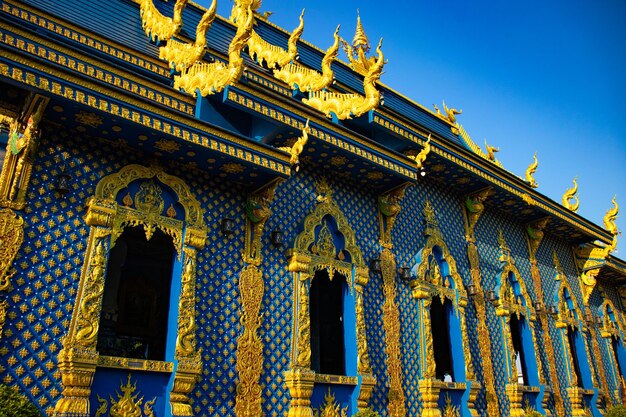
(515, 395)
(474, 208)
(429, 390)
(300, 382)
(388, 209)
(248, 401)
(575, 395)
(534, 236)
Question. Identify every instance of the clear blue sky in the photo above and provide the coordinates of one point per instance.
(545, 76)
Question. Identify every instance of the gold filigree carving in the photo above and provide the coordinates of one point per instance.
(242, 8)
(420, 157)
(530, 172)
(273, 56)
(11, 238)
(18, 160)
(249, 365)
(157, 26)
(127, 404)
(357, 52)
(135, 364)
(4, 306)
(210, 78)
(449, 409)
(330, 407)
(296, 149)
(300, 382)
(535, 232)
(571, 193)
(304, 79)
(475, 205)
(348, 105)
(183, 55)
(388, 209)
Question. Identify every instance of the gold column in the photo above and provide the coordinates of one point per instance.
(368, 381)
(429, 389)
(534, 236)
(300, 382)
(248, 400)
(388, 209)
(515, 395)
(474, 207)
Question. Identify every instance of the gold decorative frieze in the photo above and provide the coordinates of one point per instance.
(135, 364)
(183, 55)
(306, 79)
(11, 236)
(571, 194)
(530, 172)
(348, 105)
(271, 55)
(157, 26)
(209, 78)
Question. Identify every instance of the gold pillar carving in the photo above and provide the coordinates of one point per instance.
(248, 400)
(474, 207)
(534, 236)
(515, 395)
(575, 395)
(300, 382)
(77, 366)
(429, 390)
(388, 209)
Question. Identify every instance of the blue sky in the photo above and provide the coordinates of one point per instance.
(544, 76)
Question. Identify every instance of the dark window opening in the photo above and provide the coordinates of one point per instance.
(135, 306)
(572, 348)
(614, 344)
(326, 312)
(442, 347)
(520, 360)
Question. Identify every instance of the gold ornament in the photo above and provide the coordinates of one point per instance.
(530, 171)
(306, 79)
(569, 195)
(273, 56)
(491, 152)
(183, 55)
(420, 157)
(211, 78)
(330, 407)
(348, 105)
(11, 238)
(126, 405)
(296, 149)
(157, 26)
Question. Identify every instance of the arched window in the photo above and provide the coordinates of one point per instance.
(572, 337)
(515, 325)
(136, 300)
(440, 325)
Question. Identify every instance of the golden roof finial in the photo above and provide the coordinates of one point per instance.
(610, 216)
(360, 38)
(570, 194)
(530, 171)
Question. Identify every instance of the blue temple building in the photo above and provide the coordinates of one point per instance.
(206, 216)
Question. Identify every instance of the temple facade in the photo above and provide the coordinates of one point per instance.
(206, 216)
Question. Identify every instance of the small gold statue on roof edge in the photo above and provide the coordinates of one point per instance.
(571, 193)
(530, 171)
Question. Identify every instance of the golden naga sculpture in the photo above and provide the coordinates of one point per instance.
(530, 171)
(305, 79)
(157, 26)
(273, 56)
(347, 105)
(450, 114)
(357, 51)
(210, 78)
(296, 149)
(569, 195)
(183, 55)
(491, 152)
(239, 12)
(420, 157)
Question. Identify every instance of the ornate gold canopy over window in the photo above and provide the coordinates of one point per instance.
(314, 250)
(109, 211)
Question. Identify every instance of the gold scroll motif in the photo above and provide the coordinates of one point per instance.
(248, 400)
(388, 209)
(348, 105)
(534, 236)
(78, 357)
(157, 26)
(4, 306)
(183, 55)
(530, 172)
(127, 404)
(590, 258)
(273, 56)
(304, 79)
(474, 208)
(18, 160)
(11, 238)
(309, 254)
(571, 193)
(209, 78)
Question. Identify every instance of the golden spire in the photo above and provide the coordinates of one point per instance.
(360, 38)
(570, 194)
